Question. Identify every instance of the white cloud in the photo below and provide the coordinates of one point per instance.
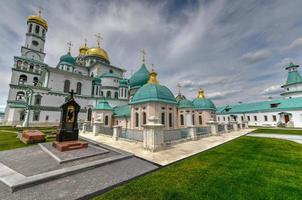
(257, 56)
(274, 89)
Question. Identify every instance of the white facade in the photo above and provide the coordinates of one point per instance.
(37, 90)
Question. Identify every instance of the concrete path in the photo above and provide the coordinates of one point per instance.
(294, 138)
(171, 154)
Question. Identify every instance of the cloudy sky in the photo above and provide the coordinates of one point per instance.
(235, 50)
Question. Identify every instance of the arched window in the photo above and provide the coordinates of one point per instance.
(102, 93)
(19, 64)
(116, 95)
(30, 28)
(22, 79)
(66, 86)
(136, 120)
(43, 33)
(79, 88)
(110, 71)
(20, 96)
(108, 94)
(106, 120)
(97, 90)
(22, 115)
(35, 81)
(31, 67)
(193, 119)
(37, 30)
(91, 75)
(163, 118)
(144, 118)
(170, 120)
(200, 119)
(38, 98)
(89, 112)
(182, 121)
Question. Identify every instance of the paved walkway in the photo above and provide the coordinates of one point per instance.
(171, 154)
(294, 138)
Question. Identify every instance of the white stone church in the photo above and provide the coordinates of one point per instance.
(37, 90)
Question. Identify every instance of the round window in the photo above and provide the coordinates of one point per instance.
(35, 43)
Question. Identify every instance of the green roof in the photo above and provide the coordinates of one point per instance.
(111, 75)
(67, 59)
(96, 80)
(123, 82)
(103, 105)
(121, 111)
(263, 106)
(203, 104)
(153, 92)
(140, 77)
(185, 103)
(293, 77)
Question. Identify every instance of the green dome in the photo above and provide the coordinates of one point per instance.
(103, 105)
(185, 103)
(153, 92)
(67, 59)
(96, 80)
(123, 82)
(203, 104)
(140, 77)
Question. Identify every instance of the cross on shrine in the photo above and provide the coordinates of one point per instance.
(143, 55)
(72, 93)
(40, 11)
(98, 39)
(69, 44)
(178, 87)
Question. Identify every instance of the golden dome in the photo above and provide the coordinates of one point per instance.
(38, 20)
(83, 49)
(98, 52)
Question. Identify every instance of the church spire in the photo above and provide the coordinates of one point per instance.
(200, 94)
(98, 39)
(143, 55)
(69, 44)
(153, 76)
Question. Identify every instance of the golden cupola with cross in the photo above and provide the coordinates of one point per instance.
(98, 51)
(38, 19)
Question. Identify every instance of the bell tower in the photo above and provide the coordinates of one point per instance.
(35, 37)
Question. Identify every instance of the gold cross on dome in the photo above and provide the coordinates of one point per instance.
(143, 55)
(98, 39)
(40, 8)
(69, 44)
(178, 87)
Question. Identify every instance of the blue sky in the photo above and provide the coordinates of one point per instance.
(235, 50)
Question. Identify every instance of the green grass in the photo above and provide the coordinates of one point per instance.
(8, 136)
(245, 168)
(278, 131)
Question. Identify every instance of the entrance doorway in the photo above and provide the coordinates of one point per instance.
(286, 118)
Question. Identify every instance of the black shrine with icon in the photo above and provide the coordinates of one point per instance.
(68, 128)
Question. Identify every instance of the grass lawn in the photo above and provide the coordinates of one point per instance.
(245, 168)
(278, 131)
(8, 138)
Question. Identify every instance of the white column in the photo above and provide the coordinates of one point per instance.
(225, 126)
(192, 132)
(153, 135)
(117, 130)
(213, 127)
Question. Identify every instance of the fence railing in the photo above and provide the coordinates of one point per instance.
(202, 130)
(220, 128)
(132, 134)
(106, 131)
(175, 134)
